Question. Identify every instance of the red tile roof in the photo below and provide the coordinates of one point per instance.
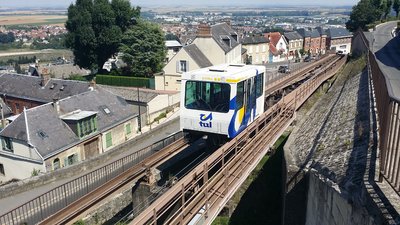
(273, 37)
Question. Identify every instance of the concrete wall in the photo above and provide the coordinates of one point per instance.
(258, 52)
(18, 167)
(234, 56)
(118, 134)
(170, 80)
(211, 50)
(326, 205)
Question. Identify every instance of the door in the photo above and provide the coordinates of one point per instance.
(91, 148)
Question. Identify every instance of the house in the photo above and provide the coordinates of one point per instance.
(312, 40)
(277, 47)
(213, 45)
(64, 132)
(219, 43)
(188, 58)
(173, 47)
(295, 44)
(324, 39)
(339, 39)
(257, 48)
(19, 91)
(152, 102)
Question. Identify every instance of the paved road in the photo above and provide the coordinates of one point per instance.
(387, 51)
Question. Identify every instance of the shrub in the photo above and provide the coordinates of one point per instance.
(123, 81)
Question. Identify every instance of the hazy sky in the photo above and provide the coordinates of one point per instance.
(57, 3)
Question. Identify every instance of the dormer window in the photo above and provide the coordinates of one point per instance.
(53, 85)
(226, 40)
(62, 87)
(6, 142)
(83, 123)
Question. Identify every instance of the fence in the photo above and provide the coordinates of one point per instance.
(60, 197)
(388, 107)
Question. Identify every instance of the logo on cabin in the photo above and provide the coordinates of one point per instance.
(205, 121)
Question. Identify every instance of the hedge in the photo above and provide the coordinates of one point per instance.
(124, 81)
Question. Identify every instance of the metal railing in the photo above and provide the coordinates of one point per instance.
(388, 110)
(60, 197)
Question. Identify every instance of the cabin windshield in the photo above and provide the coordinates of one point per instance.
(207, 96)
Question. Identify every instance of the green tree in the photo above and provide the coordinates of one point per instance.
(396, 7)
(388, 7)
(364, 13)
(95, 29)
(143, 48)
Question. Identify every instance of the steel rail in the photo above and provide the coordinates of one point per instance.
(136, 172)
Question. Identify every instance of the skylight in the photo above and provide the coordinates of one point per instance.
(106, 110)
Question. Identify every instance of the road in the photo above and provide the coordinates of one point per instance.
(387, 52)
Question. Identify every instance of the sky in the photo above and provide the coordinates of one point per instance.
(144, 3)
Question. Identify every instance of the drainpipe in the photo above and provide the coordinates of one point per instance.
(3, 122)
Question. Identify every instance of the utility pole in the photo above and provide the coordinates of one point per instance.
(140, 117)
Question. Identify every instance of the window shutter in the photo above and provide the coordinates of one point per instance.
(177, 66)
(187, 66)
(66, 161)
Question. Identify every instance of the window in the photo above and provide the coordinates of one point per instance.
(207, 96)
(70, 160)
(56, 164)
(240, 95)
(182, 66)
(108, 140)
(2, 173)
(342, 47)
(17, 106)
(87, 126)
(128, 129)
(259, 85)
(7, 144)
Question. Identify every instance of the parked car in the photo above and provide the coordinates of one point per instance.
(307, 59)
(339, 52)
(284, 69)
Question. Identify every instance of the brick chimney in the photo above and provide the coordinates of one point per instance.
(204, 30)
(44, 77)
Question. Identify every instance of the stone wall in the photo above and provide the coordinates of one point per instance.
(326, 205)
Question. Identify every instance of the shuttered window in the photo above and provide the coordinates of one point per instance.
(108, 139)
(128, 128)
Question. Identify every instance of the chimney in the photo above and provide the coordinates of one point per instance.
(44, 77)
(56, 105)
(204, 30)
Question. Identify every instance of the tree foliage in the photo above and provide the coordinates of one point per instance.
(366, 12)
(7, 37)
(143, 48)
(396, 7)
(95, 29)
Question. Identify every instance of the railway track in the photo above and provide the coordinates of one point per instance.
(136, 172)
(198, 197)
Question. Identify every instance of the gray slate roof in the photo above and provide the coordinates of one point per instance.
(197, 55)
(223, 30)
(28, 87)
(294, 35)
(254, 40)
(338, 33)
(58, 136)
(304, 33)
(315, 33)
(321, 31)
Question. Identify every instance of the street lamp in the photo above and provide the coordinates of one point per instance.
(140, 117)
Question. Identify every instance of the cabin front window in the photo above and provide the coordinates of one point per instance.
(207, 96)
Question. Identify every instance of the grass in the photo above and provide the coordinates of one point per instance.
(259, 199)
